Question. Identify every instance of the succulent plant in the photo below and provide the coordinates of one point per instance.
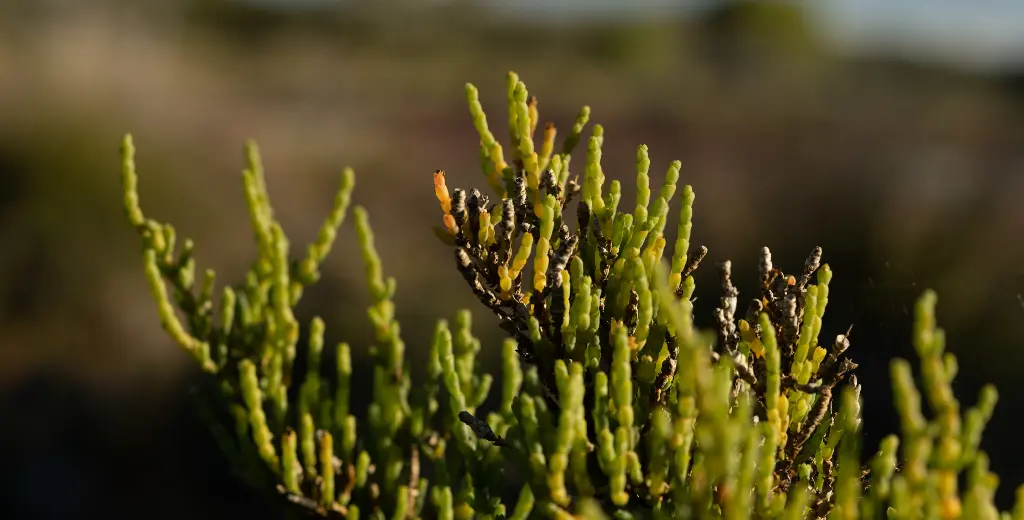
(612, 403)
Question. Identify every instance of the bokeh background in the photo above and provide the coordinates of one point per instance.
(890, 133)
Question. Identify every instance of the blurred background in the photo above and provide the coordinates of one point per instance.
(891, 134)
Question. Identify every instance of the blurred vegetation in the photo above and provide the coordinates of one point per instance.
(908, 174)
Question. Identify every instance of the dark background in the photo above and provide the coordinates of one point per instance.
(897, 149)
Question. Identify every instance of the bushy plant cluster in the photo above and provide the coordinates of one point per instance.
(612, 403)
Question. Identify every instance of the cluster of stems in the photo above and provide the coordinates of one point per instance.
(612, 404)
(756, 418)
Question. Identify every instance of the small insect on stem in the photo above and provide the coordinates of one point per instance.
(481, 429)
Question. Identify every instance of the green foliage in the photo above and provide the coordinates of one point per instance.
(611, 402)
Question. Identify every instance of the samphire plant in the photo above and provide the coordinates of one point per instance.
(612, 404)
